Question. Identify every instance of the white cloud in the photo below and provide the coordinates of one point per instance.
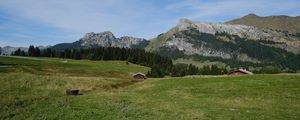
(70, 19)
(80, 16)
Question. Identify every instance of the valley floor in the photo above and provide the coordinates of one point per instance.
(26, 94)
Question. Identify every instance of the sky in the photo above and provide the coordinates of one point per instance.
(49, 22)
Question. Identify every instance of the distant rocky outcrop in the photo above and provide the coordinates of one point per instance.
(104, 39)
(8, 50)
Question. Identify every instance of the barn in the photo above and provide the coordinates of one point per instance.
(139, 76)
(240, 72)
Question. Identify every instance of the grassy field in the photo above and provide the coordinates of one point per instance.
(68, 67)
(27, 95)
(199, 64)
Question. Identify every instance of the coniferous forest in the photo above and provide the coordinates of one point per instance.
(160, 66)
(272, 60)
(270, 57)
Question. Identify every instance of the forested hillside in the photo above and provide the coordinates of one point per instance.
(242, 52)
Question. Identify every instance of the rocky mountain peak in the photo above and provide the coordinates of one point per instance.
(185, 21)
(212, 28)
(107, 39)
(106, 34)
(184, 24)
(104, 39)
(251, 15)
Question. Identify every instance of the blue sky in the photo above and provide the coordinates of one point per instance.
(48, 22)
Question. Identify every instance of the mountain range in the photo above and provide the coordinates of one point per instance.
(235, 44)
(104, 39)
(221, 40)
(7, 50)
(250, 39)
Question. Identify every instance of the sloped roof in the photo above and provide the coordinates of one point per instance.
(243, 71)
(139, 73)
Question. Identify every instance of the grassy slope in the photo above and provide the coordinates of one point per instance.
(155, 43)
(199, 64)
(57, 66)
(40, 96)
(247, 97)
(284, 23)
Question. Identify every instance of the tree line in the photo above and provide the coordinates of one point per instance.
(180, 70)
(160, 66)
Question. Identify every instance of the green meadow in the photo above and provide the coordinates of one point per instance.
(199, 64)
(35, 89)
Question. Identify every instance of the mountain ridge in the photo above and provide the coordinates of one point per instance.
(243, 31)
(104, 39)
(234, 44)
(290, 24)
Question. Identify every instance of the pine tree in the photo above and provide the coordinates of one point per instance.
(31, 51)
(17, 52)
(155, 72)
(48, 52)
(192, 70)
(37, 52)
(23, 53)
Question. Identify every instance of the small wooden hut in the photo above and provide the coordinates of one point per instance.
(240, 72)
(139, 76)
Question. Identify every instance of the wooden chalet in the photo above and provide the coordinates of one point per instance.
(139, 76)
(240, 72)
